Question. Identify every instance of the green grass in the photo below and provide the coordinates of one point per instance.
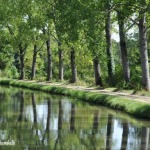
(132, 107)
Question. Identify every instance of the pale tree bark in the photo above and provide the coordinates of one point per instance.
(110, 57)
(144, 52)
(61, 65)
(73, 67)
(97, 72)
(123, 47)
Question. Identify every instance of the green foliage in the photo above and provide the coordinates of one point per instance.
(79, 24)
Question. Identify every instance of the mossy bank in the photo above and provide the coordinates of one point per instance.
(132, 107)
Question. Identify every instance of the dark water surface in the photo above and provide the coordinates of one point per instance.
(32, 120)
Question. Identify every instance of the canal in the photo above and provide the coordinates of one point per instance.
(39, 121)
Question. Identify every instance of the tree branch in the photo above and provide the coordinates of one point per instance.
(134, 21)
(41, 47)
(10, 30)
(55, 38)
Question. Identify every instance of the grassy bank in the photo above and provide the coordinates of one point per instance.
(137, 109)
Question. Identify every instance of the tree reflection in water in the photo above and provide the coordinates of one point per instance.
(46, 134)
(72, 119)
(56, 123)
(20, 118)
(125, 133)
(109, 132)
(60, 121)
(34, 108)
(145, 138)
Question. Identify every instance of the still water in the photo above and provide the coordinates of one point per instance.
(38, 121)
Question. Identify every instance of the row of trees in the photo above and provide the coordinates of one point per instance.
(76, 34)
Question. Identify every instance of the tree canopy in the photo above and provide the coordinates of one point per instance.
(72, 40)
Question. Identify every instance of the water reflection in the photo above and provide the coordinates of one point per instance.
(34, 108)
(109, 132)
(72, 119)
(125, 131)
(95, 122)
(40, 121)
(20, 118)
(144, 138)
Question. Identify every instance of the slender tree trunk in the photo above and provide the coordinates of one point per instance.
(34, 62)
(123, 47)
(98, 80)
(22, 54)
(73, 67)
(49, 59)
(144, 53)
(61, 65)
(110, 57)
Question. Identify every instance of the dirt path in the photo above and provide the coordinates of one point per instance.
(145, 99)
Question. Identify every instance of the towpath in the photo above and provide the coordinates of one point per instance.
(128, 94)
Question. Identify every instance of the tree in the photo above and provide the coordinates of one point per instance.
(123, 44)
(19, 28)
(143, 46)
(94, 31)
(59, 7)
(110, 57)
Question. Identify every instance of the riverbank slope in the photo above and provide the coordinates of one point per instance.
(135, 105)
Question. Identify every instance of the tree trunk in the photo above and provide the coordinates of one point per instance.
(110, 57)
(98, 80)
(61, 65)
(22, 54)
(34, 62)
(73, 67)
(144, 53)
(49, 61)
(123, 47)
